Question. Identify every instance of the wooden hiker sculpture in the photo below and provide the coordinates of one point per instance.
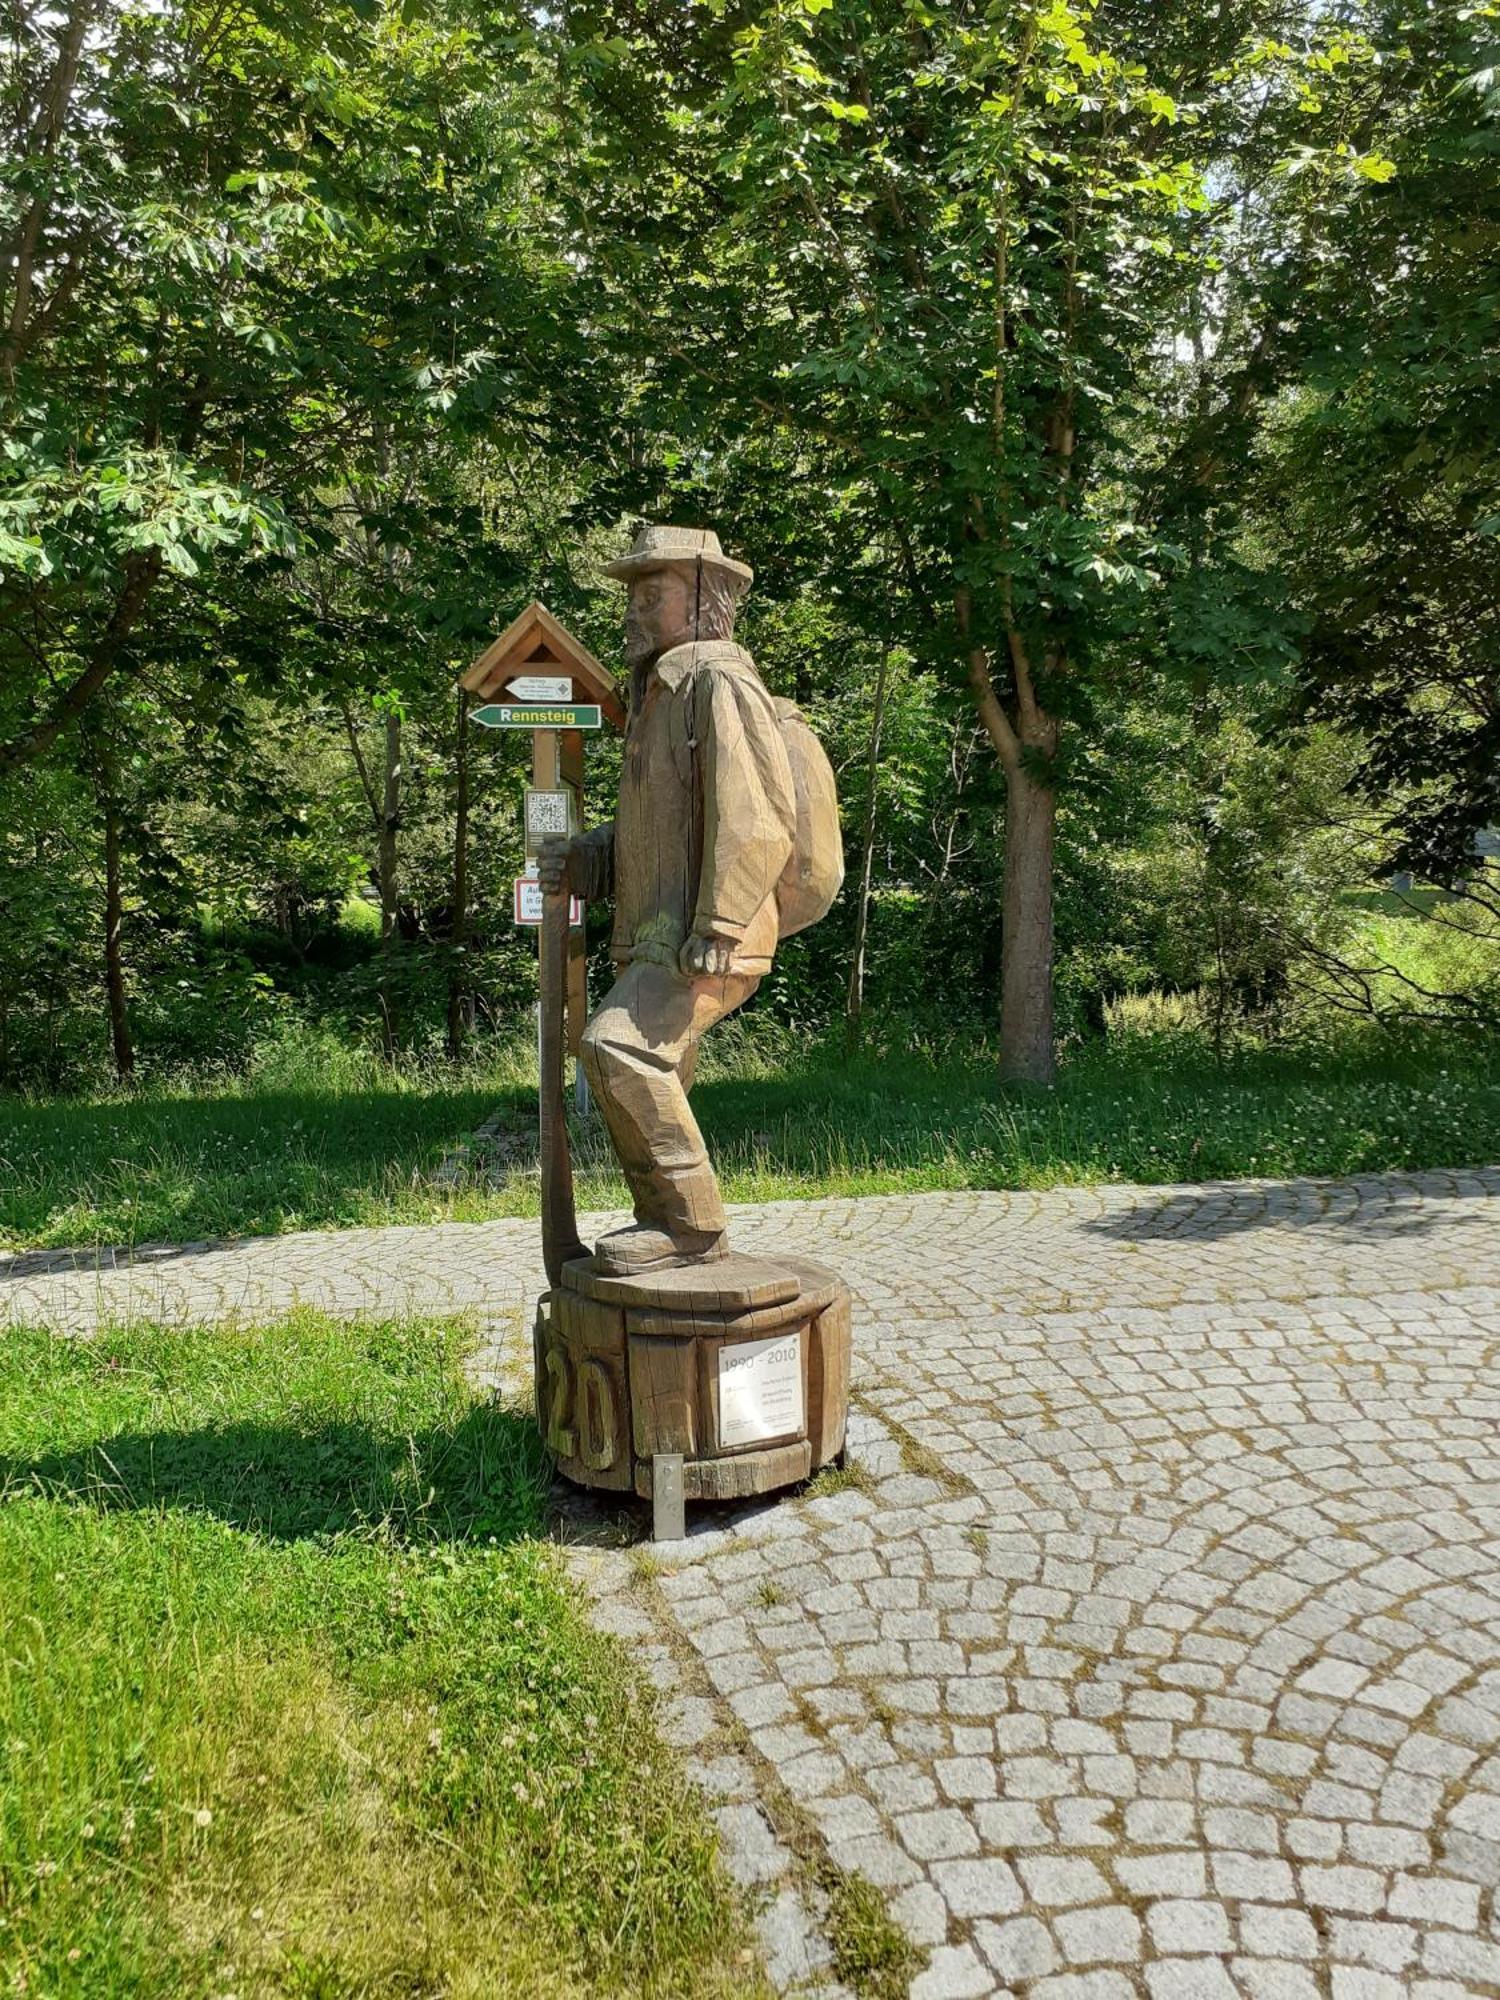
(666, 1363)
(725, 841)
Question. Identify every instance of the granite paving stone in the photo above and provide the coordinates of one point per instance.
(1153, 1648)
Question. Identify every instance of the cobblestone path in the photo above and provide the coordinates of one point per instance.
(1156, 1649)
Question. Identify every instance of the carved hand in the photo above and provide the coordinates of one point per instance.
(706, 957)
(552, 865)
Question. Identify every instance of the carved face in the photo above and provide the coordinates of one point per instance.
(659, 613)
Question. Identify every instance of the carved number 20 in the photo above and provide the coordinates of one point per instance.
(592, 1400)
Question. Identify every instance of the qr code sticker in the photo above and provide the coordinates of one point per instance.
(547, 812)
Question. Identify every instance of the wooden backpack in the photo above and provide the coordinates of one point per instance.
(814, 872)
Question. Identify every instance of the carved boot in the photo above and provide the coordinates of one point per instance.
(642, 1247)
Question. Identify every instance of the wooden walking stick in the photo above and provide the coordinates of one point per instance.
(560, 1239)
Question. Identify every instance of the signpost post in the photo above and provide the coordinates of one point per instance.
(536, 676)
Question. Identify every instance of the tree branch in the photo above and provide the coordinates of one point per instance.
(22, 249)
(141, 572)
(360, 765)
(997, 724)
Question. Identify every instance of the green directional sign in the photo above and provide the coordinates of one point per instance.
(538, 715)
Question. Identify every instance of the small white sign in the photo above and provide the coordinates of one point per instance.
(760, 1389)
(541, 687)
(529, 901)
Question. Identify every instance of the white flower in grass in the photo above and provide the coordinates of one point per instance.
(203, 1817)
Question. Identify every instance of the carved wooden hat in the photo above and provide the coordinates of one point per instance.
(665, 548)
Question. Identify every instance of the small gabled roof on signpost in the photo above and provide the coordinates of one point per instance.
(535, 643)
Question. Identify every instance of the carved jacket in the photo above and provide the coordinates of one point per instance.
(707, 812)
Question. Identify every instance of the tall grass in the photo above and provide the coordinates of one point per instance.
(315, 1135)
(311, 1133)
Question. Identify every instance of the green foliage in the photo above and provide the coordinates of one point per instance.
(1414, 956)
(1380, 471)
(1109, 376)
(284, 1660)
(263, 308)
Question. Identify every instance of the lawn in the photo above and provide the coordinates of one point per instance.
(190, 1159)
(294, 1702)
(341, 1142)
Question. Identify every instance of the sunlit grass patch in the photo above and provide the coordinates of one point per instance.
(256, 1154)
(294, 1701)
(870, 1950)
(307, 1144)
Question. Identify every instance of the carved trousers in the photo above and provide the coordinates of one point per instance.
(639, 1053)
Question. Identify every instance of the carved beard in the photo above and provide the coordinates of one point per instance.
(641, 653)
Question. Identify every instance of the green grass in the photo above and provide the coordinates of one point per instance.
(871, 1953)
(850, 1477)
(342, 1143)
(313, 1136)
(294, 1703)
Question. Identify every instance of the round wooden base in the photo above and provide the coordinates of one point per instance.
(740, 1367)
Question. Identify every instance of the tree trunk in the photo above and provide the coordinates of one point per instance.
(459, 1008)
(390, 825)
(386, 865)
(1026, 939)
(114, 966)
(40, 144)
(1028, 736)
(854, 1011)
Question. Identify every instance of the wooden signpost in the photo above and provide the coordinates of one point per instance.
(537, 676)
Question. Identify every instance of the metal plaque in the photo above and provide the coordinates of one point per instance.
(668, 1516)
(760, 1389)
(528, 898)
